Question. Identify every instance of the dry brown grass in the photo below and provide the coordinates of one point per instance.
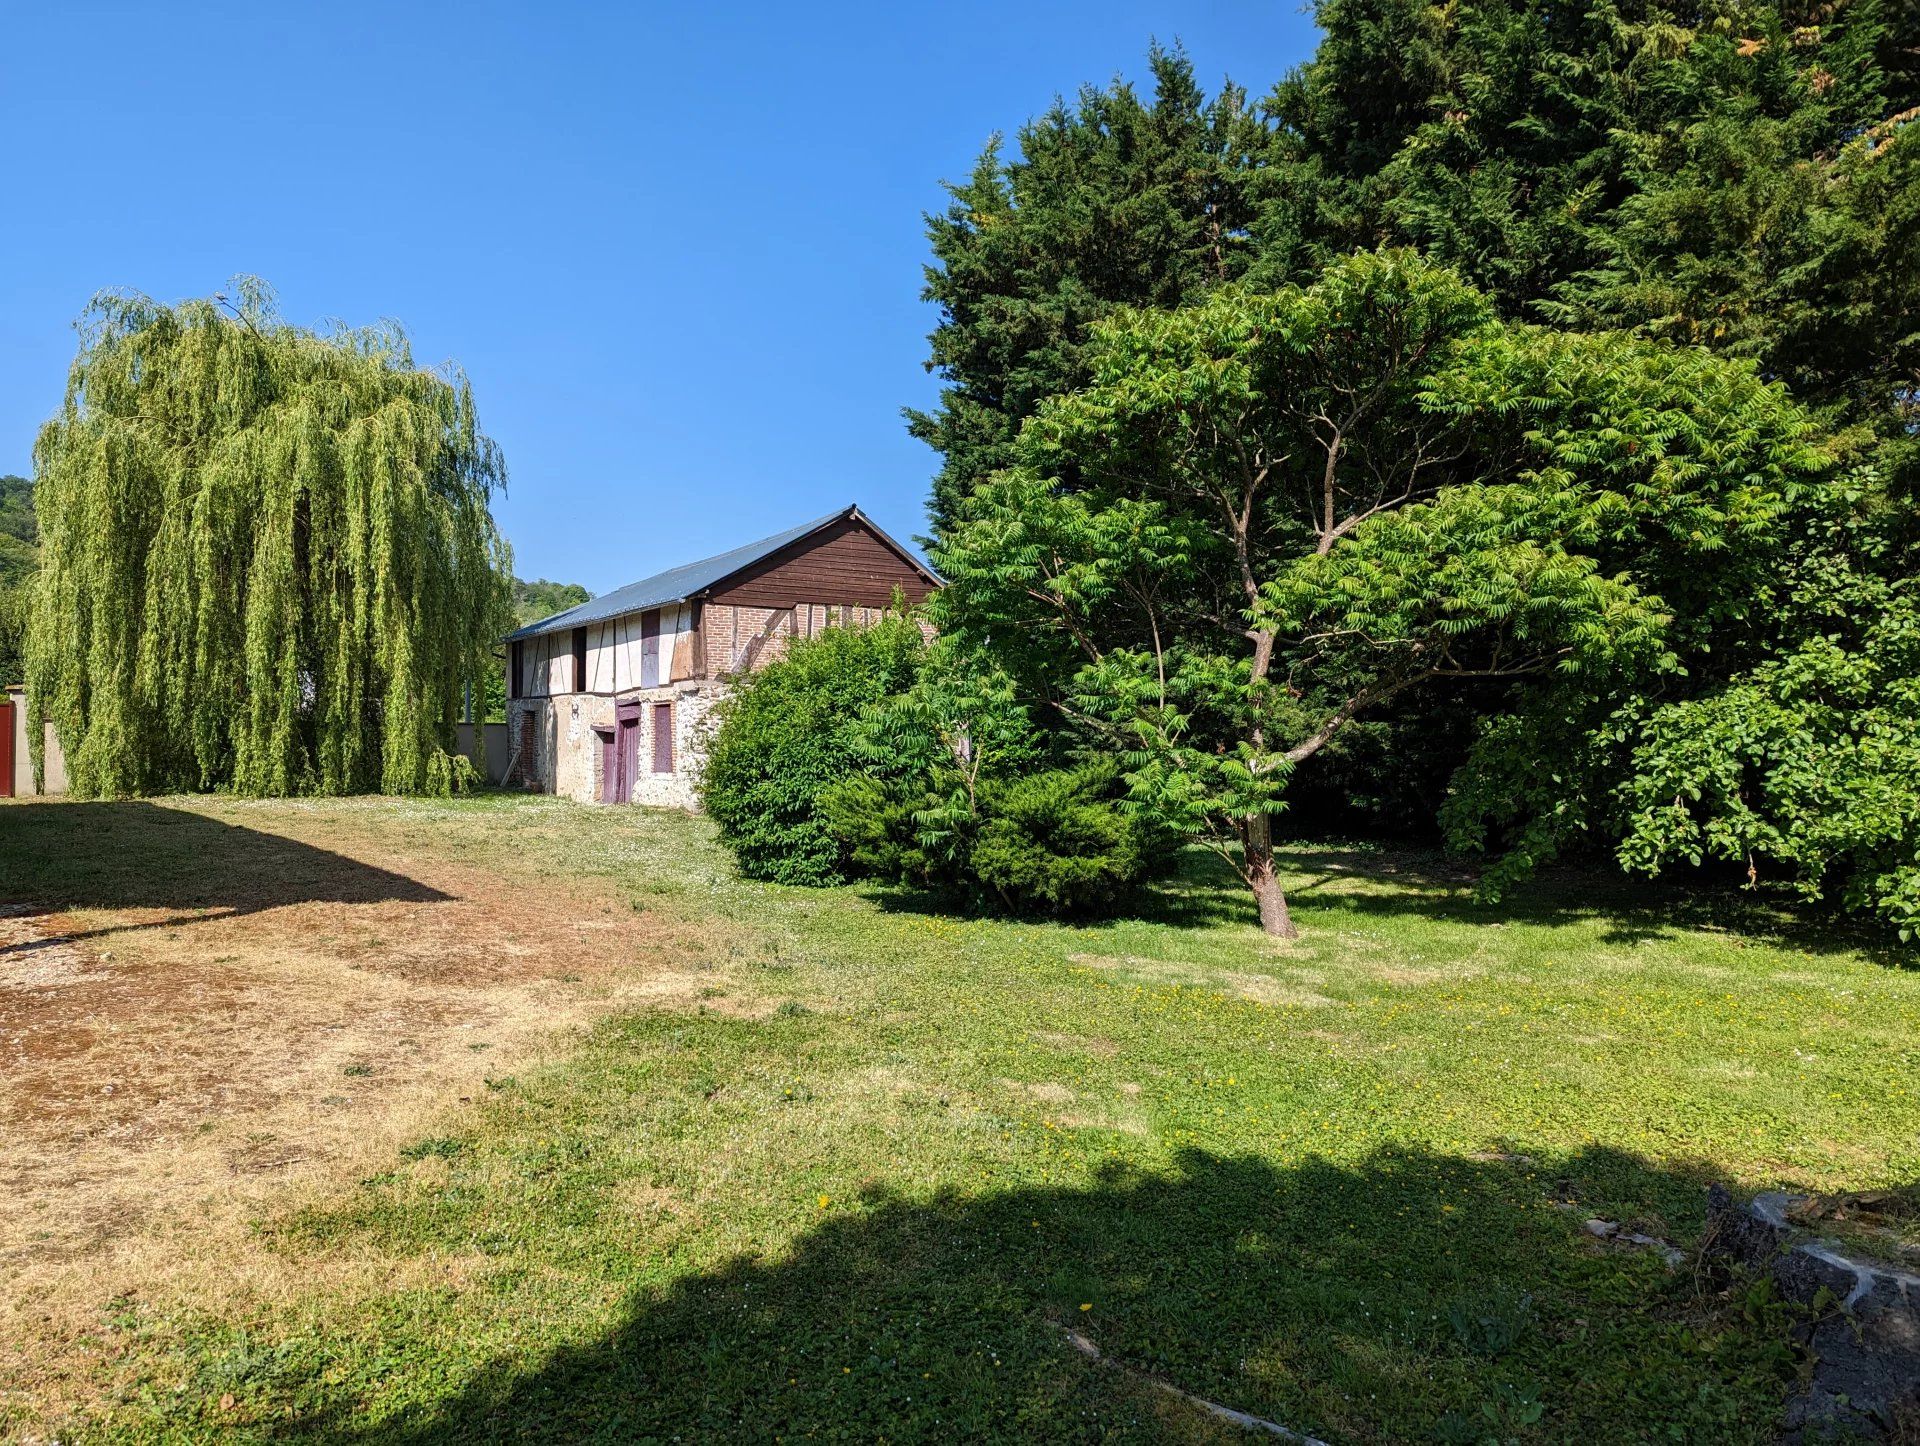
(1286, 988)
(170, 1071)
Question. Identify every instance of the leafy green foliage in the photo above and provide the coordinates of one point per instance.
(19, 561)
(533, 601)
(1738, 177)
(1810, 763)
(1058, 841)
(865, 752)
(790, 731)
(957, 795)
(269, 562)
(1269, 513)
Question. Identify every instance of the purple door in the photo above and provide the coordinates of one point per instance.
(663, 737)
(626, 751)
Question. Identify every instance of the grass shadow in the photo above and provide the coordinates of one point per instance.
(1198, 891)
(139, 855)
(1368, 880)
(1630, 911)
(1399, 1298)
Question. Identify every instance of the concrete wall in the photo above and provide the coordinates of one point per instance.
(496, 738)
(56, 770)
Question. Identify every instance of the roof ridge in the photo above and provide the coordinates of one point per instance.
(675, 584)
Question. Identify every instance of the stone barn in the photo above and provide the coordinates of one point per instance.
(608, 702)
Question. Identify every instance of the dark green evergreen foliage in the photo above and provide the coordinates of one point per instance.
(268, 558)
(19, 560)
(1735, 175)
(791, 731)
(1767, 206)
(1060, 842)
(1740, 176)
(1114, 201)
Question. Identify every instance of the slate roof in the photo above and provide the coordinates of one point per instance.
(677, 584)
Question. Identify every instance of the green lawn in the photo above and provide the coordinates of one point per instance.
(857, 1191)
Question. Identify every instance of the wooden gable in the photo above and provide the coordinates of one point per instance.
(845, 563)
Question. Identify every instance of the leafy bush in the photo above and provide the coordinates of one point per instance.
(1059, 841)
(787, 734)
(869, 753)
(960, 796)
(1805, 770)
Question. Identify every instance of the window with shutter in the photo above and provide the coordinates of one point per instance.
(663, 737)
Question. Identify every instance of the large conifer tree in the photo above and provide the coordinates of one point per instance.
(269, 562)
(1115, 201)
(1737, 174)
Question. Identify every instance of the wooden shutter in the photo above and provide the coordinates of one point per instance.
(516, 669)
(579, 660)
(663, 737)
(650, 648)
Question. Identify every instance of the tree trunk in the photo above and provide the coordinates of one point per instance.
(1274, 918)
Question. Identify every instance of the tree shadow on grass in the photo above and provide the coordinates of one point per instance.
(1407, 882)
(1378, 1301)
(1362, 880)
(137, 855)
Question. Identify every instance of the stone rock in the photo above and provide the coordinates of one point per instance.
(1862, 1325)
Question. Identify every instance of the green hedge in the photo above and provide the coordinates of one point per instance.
(787, 733)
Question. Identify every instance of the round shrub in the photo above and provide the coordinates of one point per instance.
(787, 733)
(1058, 842)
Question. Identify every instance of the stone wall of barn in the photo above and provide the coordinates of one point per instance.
(554, 743)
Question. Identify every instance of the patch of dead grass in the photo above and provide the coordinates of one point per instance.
(1271, 989)
(170, 1075)
(1099, 1047)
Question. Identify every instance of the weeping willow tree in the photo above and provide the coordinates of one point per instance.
(268, 562)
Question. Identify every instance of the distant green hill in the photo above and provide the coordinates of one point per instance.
(533, 601)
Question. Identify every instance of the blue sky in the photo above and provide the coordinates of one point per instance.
(677, 249)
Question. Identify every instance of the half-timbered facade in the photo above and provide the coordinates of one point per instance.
(609, 701)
